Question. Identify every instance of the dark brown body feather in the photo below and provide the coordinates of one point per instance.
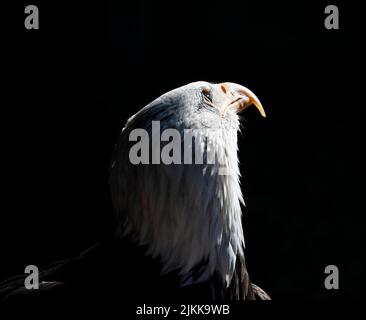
(241, 288)
(115, 270)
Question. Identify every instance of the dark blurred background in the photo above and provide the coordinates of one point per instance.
(74, 82)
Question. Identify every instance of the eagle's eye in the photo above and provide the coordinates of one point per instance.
(206, 92)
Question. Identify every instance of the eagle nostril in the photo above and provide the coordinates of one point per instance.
(223, 89)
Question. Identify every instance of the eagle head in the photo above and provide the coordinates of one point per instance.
(174, 180)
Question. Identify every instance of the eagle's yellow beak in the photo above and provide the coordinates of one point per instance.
(240, 97)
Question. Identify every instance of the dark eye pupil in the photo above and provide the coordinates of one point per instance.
(207, 94)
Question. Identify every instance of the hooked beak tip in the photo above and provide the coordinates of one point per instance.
(241, 91)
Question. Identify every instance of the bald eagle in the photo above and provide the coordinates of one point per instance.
(179, 232)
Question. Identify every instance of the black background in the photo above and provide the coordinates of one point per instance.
(71, 85)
